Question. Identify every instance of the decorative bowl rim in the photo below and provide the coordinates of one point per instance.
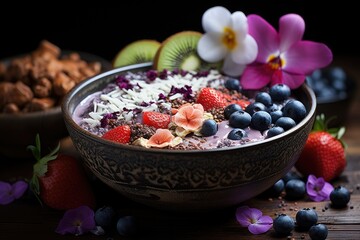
(78, 88)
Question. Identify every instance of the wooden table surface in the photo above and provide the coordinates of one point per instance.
(24, 219)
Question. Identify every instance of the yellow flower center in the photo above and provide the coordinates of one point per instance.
(275, 62)
(229, 38)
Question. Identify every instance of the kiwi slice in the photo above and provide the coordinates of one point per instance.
(179, 52)
(139, 51)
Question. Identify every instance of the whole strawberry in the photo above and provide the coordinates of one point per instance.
(324, 152)
(59, 181)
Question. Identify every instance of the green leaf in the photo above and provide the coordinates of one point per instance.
(35, 187)
(40, 168)
(341, 133)
(36, 150)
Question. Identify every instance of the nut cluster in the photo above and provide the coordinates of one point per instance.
(38, 81)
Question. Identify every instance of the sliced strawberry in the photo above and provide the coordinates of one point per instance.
(120, 134)
(156, 119)
(211, 98)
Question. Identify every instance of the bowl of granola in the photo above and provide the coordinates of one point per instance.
(186, 140)
(32, 87)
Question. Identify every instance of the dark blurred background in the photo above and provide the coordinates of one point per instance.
(105, 30)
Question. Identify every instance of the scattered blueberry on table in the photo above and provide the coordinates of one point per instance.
(340, 197)
(306, 218)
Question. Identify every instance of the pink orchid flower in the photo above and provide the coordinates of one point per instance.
(283, 57)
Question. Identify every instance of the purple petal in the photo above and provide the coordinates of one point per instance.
(255, 76)
(317, 189)
(291, 30)
(19, 188)
(292, 80)
(247, 215)
(266, 37)
(311, 179)
(265, 220)
(319, 197)
(242, 216)
(77, 221)
(88, 223)
(326, 190)
(254, 213)
(6, 195)
(311, 191)
(262, 225)
(305, 56)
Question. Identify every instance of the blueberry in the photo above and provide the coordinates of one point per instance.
(232, 84)
(295, 189)
(126, 226)
(272, 108)
(295, 110)
(317, 74)
(261, 120)
(291, 175)
(209, 128)
(229, 109)
(305, 218)
(319, 85)
(237, 134)
(275, 190)
(275, 115)
(279, 92)
(283, 225)
(326, 93)
(336, 73)
(311, 82)
(105, 216)
(274, 131)
(264, 98)
(285, 122)
(339, 197)
(239, 119)
(339, 85)
(255, 107)
(318, 232)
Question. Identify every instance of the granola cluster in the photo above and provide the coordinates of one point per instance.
(38, 81)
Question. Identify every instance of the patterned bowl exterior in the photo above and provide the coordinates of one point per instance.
(186, 180)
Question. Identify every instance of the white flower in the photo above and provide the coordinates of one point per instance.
(227, 39)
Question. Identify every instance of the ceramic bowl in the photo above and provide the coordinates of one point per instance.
(179, 180)
(19, 130)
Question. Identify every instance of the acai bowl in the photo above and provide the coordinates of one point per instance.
(174, 178)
